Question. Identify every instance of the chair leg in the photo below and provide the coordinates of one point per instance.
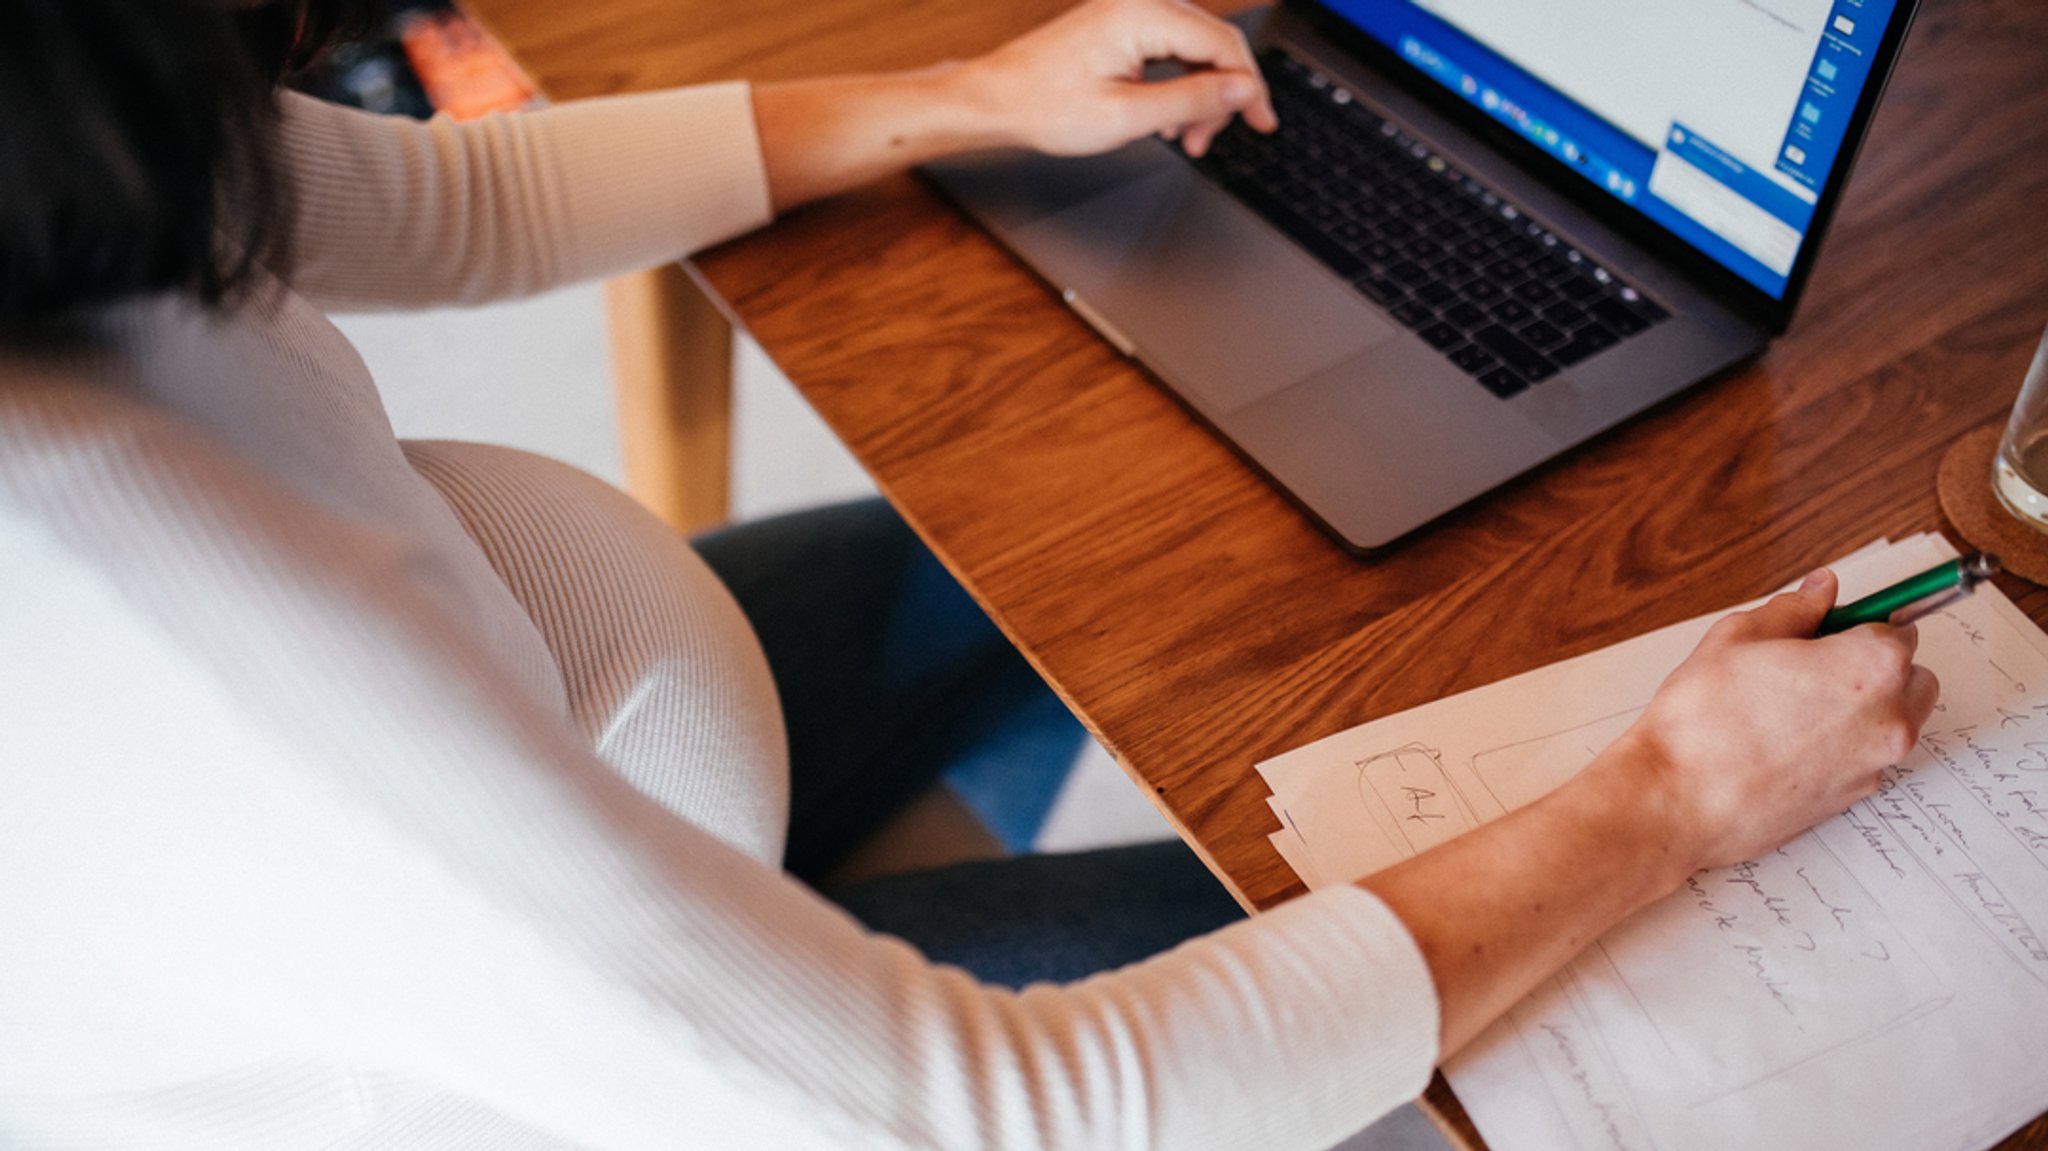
(672, 364)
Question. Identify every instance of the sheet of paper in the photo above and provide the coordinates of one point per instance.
(1880, 982)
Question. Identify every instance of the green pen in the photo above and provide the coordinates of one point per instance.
(1912, 598)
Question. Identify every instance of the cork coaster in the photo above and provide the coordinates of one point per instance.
(1971, 505)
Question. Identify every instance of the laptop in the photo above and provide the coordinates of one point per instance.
(1487, 231)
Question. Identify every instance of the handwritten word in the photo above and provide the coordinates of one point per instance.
(1874, 838)
(1577, 1069)
(1723, 920)
(1774, 987)
(1745, 876)
(1840, 914)
(2003, 914)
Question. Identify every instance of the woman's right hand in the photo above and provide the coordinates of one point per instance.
(1765, 731)
(1076, 84)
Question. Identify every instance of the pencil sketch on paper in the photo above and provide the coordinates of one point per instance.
(1411, 799)
(1520, 773)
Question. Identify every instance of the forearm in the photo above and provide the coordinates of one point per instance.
(1498, 910)
(393, 213)
(821, 137)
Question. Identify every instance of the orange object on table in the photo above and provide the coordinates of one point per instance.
(464, 71)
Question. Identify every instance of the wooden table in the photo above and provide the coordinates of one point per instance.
(1194, 621)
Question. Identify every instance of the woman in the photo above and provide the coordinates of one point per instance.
(364, 794)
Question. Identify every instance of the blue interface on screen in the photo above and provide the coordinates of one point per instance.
(1718, 119)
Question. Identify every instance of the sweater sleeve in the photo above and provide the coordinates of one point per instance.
(629, 981)
(329, 851)
(434, 891)
(392, 213)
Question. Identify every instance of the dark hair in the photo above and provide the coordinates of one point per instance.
(135, 138)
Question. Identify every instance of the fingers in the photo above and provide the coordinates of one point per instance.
(1922, 691)
(1882, 657)
(1907, 634)
(1795, 614)
(1173, 30)
(1197, 106)
(1197, 137)
(1076, 86)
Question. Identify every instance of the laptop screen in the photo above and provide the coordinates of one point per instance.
(1718, 119)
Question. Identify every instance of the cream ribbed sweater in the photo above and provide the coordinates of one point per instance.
(354, 795)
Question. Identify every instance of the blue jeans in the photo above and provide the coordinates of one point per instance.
(892, 679)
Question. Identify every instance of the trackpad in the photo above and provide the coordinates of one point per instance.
(1217, 303)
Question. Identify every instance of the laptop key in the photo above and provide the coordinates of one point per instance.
(1514, 352)
(1383, 292)
(1511, 311)
(1612, 313)
(1452, 269)
(1424, 249)
(1464, 211)
(1372, 212)
(1466, 315)
(1642, 305)
(1378, 251)
(1494, 228)
(1412, 314)
(1542, 334)
(1580, 289)
(1597, 334)
(1564, 314)
(1586, 343)
(1503, 271)
(1396, 231)
(1520, 247)
(1441, 336)
(1474, 359)
(1436, 294)
(1576, 351)
(1302, 232)
(1503, 383)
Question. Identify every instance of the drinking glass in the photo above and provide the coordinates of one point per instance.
(2019, 472)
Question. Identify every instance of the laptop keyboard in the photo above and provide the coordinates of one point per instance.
(1500, 295)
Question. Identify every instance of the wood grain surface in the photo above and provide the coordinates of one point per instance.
(1193, 619)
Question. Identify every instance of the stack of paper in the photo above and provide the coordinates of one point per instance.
(1880, 982)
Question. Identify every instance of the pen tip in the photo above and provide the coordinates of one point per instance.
(1980, 565)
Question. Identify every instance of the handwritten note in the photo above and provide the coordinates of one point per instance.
(1880, 982)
